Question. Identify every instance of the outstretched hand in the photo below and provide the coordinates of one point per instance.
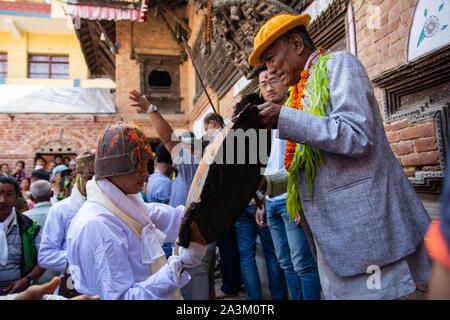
(37, 292)
(140, 100)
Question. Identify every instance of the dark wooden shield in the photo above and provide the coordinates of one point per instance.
(227, 178)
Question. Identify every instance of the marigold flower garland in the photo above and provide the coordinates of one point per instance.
(296, 103)
(299, 156)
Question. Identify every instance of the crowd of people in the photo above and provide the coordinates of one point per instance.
(107, 223)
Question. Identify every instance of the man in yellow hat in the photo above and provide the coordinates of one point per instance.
(363, 219)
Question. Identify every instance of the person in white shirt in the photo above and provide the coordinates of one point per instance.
(114, 242)
(52, 252)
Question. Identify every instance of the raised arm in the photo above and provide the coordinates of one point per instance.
(162, 127)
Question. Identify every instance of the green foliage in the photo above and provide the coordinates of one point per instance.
(306, 157)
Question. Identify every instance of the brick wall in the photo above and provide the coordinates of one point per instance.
(152, 37)
(414, 145)
(24, 134)
(382, 29)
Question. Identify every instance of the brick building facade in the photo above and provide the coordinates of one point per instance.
(411, 92)
(36, 28)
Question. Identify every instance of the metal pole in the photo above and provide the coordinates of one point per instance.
(188, 49)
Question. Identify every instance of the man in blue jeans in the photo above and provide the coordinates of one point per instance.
(246, 232)
(291, 246)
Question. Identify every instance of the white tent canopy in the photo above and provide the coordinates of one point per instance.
(43, 99)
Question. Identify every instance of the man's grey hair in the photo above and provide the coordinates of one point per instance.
(302, 32)
(41, 190)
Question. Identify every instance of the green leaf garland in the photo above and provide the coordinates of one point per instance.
(306, 157)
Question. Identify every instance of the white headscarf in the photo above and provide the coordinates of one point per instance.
(152, 238)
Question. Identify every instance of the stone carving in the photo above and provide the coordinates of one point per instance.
(236, 23)
(428, 73)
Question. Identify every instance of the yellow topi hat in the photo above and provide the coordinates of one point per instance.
(272, 30)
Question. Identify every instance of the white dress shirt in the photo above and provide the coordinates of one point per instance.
(52, 253)
(105, 257)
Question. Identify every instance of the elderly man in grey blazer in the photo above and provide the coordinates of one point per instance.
(364, 220)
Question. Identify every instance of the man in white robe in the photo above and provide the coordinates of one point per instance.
(114, 242)
(52, 252)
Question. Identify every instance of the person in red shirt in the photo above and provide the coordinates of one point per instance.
(437, 241)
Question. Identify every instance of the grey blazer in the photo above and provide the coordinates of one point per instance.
(364, 210)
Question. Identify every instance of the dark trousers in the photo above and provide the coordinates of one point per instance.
(229, 262)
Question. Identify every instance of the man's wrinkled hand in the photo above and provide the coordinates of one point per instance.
(266, 118)
(140, 100)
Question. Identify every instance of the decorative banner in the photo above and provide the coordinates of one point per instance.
(429, 28)
(144, 11)
(102, 13)
(351, 31)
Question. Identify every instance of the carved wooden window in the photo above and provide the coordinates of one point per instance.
(160, 80)
(3, 64)
(329, 29)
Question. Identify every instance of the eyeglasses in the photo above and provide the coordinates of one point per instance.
(273, 82)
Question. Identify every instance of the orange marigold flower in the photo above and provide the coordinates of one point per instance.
(296, 103)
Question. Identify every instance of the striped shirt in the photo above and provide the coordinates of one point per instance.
(11, 271)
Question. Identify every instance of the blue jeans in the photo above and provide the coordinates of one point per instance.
(275, 222)
(301, 256)
(246, 231)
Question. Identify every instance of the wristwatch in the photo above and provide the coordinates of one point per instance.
(152, 108)
(30, 280)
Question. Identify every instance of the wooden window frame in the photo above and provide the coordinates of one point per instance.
(4, 60)
(49, 63)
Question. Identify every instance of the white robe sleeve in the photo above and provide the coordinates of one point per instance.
(166, 218)
(100, 254)
(51, 254)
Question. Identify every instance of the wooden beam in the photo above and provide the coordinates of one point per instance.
(96, 34)
(100, 52)
(84, 48)
(106, 35)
